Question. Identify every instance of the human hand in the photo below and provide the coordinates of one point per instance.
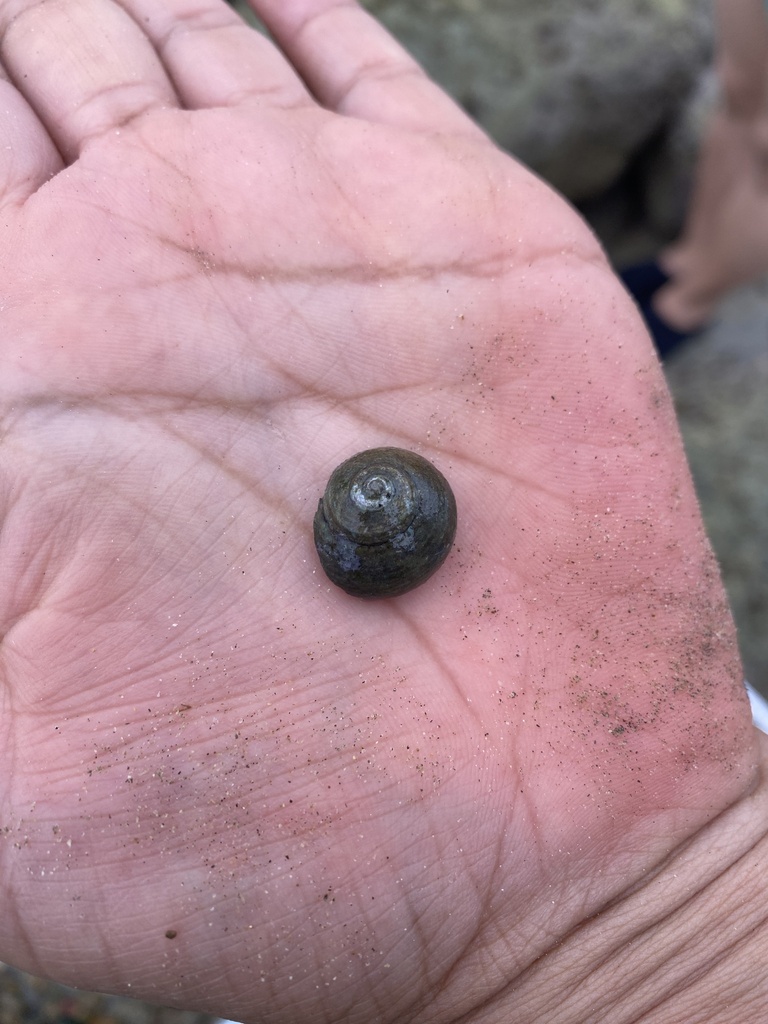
(226, 784)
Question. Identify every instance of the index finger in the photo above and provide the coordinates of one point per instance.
(354, 66)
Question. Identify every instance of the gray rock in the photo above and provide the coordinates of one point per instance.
(572, 87)
(720, 385)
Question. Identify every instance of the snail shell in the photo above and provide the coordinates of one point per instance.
(385, 523)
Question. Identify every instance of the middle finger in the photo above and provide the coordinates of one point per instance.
(213, 57)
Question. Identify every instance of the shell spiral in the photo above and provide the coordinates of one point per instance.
(385, 523)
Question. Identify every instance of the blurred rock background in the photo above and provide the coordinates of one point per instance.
(574, 88)
(605, 99)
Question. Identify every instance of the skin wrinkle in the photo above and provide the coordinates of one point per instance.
(362, 272)
(41, 604)
(405, 269)
(400, 612)
(169, 403)
(206, 454)
(194, 23)
(483, 916)
(370, 71)
(282, 95)
(299, 385)
(299, 40)
(620, 959)
(689, 978)
(275, 504)
(385, 75)
(613, 996)
(111, 122)
(663, 1000)
(379, 427)
(33, 550)
(385, 428)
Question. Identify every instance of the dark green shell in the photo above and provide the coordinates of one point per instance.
(385, 523)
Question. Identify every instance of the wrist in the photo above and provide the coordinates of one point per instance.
(689, 942)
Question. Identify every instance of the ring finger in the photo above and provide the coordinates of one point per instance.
(84, 66)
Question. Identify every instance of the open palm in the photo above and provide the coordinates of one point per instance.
(224, 783)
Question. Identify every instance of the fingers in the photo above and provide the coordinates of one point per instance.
(28, 157)
(354, 66)
(88, 66)
(84, 66)
(213, 57)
